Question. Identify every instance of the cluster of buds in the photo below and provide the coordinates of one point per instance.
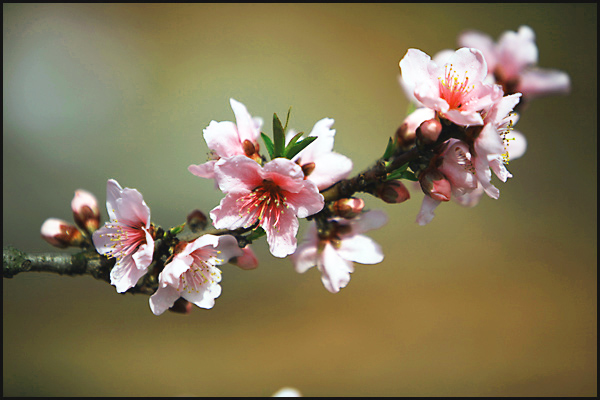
(86, 214)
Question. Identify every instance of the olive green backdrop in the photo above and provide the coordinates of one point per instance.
(500, 299)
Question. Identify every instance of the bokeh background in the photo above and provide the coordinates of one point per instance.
(500, 299)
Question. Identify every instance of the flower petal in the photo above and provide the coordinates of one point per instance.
(163, 299)
(282, 237)
(248, 128)
(329, 168)
(238, 174)
(125, 274)
(426, 213)
(227, 214)
(206, 170)
(335, 270)
(306, 202)
(361, 249)
(222, 137)
(205, 296)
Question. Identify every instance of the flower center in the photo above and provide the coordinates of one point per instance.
(453, 88)
(127, 239)
(265, 203)
(201, 272)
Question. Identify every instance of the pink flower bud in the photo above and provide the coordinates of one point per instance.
(429, 131)
(85, 211)
(405, 138)
(196, 221)
(247, 260)
(392, 192)
(435, 185)
(60, 233)
(348, 208)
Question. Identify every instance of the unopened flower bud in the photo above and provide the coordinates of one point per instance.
(60, 233)
(196, 221)
(348, 208)
(249, 148)
(392, 192)
(247, 260)
(181, 306)
(436, 185)
(429, 131)
(404, 137)
(85, 211)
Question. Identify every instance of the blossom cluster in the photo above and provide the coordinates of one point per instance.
(460, 134)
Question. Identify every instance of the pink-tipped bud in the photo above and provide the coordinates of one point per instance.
(181, 306)
(196, 221)
(85, 211)
(392, 192)
(405, 138)
(436, 185)
(247, 260)
(60, 233)
(429, 131)
(348, 208)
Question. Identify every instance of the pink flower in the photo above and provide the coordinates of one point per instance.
(227, 139)
(334, 256)
(491, 145)
(126, 237)
(193, 275)
(456, 89)
(457, 168)
(274, 196)
(319, 162)
(512, 61)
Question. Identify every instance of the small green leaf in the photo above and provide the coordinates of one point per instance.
(298, 147)
(287, 119)
(255, 234)
(389, 149)
(278, 137)
(292, 142)
(409, 175)
(268, 144)
(398, 173)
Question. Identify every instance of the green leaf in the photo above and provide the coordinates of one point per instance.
(298, 147)
(398, 173)
(268, 144)
(255, 234)
(287, 119)
(292, 142)
(409, 175)
(389, 149)
(278, 137)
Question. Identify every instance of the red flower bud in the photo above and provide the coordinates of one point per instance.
(60, 233)
(196, 221)
(429, 131)
(392, 192)
(435, 185)
(85, 211)
(348, 208)
(247, 260)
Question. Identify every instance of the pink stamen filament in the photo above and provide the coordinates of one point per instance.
(453, 90)
(127, 239)
(266, 202)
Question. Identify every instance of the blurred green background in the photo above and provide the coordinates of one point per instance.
(500, 299)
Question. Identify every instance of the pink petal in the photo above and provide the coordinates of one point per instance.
(361, 249)
(515, 51)
(323, 144)
(227, 214)
(282, 237)
(113, 192)
(369, 220)
(306, 202)
(335, 270)
(238, 174)
(516, 144)
(285, 173)
(481, 42)
(132, 209)
(540, 82)
(414, 68)
(103, 239)
(143, 255)
(247, 127)
(305, 257)
(205, 297)
(464, 118)
(172, 272)
(222, 137)
(426, 213)
(206, 170)
(125, 275)
(329, 169)
(163, 299)
(469, 62)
